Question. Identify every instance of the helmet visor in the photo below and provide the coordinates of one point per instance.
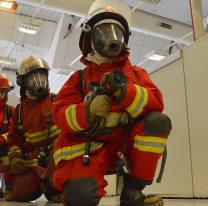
(108, 39)
(37, 82)
(107, 33)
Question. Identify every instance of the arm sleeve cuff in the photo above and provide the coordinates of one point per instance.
(11, 156)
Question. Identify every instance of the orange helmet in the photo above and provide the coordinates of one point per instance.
(5, 84)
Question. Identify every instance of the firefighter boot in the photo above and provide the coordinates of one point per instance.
(132, 195)
(1, 193)
(51, 193)
(57, 198)
(7, 195)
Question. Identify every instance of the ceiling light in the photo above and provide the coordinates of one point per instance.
(157, 55)
(65, 71)
(6, 4)
(7, 62)
(152, 1)
(28, 26)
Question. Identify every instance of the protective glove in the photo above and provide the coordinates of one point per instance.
(51, 151)
(52, 145)
(100, 106)
(17, 165)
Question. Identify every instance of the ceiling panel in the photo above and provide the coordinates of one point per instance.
(140, 43)
(44, 14)
(178, 10)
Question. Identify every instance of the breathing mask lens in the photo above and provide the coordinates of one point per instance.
(37, 84)
(108, 40)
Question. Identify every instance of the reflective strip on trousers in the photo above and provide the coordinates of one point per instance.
(40, 136)
(139, 102)
(149, 144)
(15, 149)
(71, 118)
(68, 153)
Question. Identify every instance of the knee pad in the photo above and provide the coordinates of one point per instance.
(82, 192)
(156, 124)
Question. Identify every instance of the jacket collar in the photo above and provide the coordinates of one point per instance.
(93, 65)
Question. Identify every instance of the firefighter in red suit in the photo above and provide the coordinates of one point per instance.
(32, 132)
(138, 103)
(6, 85)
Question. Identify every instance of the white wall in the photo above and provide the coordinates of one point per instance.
(184, 84)
(177, 178)
(196, 80)
(13, 101)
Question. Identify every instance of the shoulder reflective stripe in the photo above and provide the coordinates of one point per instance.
(150, 144)
(5, 160)
(139, 102)
(39, 136)
(15, 149)
(70, 114)
(114, 118)
(5, 135)
(32, 162)
(67, 153)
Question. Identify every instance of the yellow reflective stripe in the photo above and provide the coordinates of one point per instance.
(15, 149)
(113, 119)
(139, 102)
(149, 144)
(5, 135)
(67, 153)
(39, 136)
(71, 119)
(5, 160)
(151, 139)
(33, 162)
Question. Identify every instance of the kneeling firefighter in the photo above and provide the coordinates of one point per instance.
(32, 132)
(110, 114)
(6, 85)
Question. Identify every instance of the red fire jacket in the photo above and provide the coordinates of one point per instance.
(142, 96)
(3, 137)
(35, 117)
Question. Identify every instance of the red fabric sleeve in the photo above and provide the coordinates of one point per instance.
(10, 121)
(155, 98)
(70, 94)
(2, 139)
(15, 137)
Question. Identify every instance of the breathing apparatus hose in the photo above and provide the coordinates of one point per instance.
(43, 154)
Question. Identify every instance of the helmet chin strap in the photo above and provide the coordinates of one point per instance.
(30, 96)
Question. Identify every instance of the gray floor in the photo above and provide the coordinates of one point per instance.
(111, 201)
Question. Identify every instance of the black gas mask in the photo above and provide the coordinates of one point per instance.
(37, 84)
(108, 40)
